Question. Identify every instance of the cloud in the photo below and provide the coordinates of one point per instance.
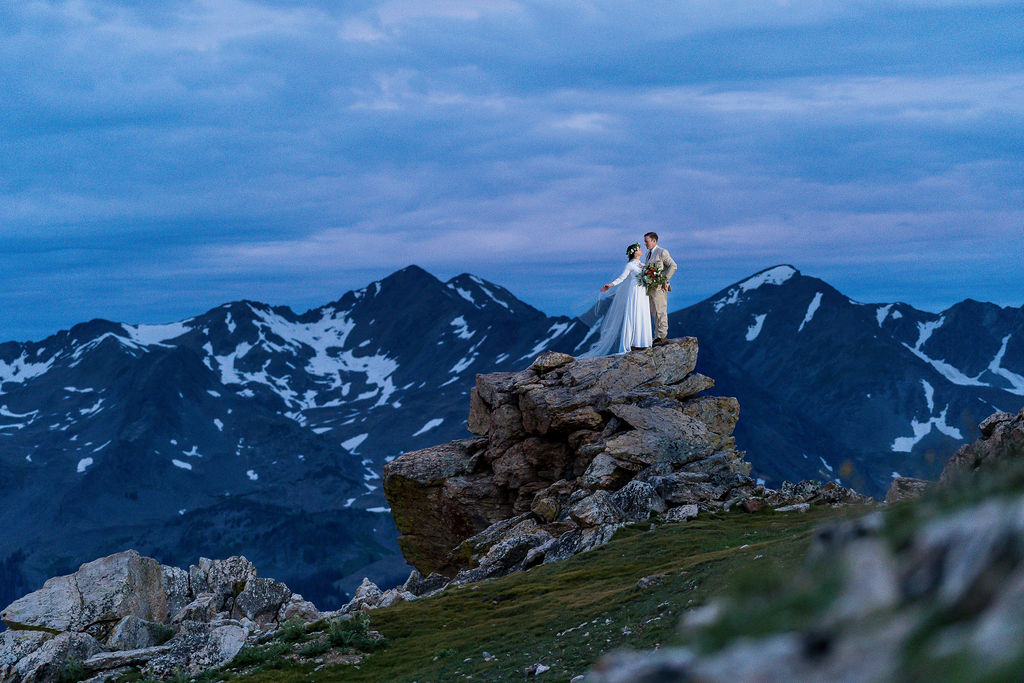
(258, 148)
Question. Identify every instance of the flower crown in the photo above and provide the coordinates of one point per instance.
(632, 249)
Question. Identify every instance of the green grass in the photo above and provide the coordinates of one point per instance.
(567, 614)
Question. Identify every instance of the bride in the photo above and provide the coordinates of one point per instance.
(627, 322)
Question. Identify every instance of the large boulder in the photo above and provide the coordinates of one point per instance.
(46, 663)
(197, 647)
(95, 597)
(567, 451)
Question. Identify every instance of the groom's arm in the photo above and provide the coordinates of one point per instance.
(670, 265)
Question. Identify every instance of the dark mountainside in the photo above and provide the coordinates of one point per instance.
(253, 429)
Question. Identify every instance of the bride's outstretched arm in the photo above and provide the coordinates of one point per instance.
(617, 280)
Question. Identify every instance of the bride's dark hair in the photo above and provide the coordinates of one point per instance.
(632, 249)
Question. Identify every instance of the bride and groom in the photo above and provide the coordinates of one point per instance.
(627, 321)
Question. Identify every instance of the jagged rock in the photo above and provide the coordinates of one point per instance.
(556, 440)
(295, 607)
(100, 592)
(419, 586)
(550, 360)
(177, 590)
(605, 472)
(133, 633)
(638, 501)
(393, 596)
(682, 513)
(260, 600)
(595, 510)
(989, 424)
(796, 507)
(17, 644)
(227, 578)
(367, 596)
(122, 658)
(44, 664)
(197, 647)
(197, 582)
(203, 608)
(903, 488)
(1002, 441)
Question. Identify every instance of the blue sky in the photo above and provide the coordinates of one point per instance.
(158, 159)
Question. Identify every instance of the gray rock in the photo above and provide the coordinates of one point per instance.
(197, 582)
(798, 507)
(393, 596)
(114, 660)
(44, 664)
(904, 488)
(17, 644)
(203, 608)
(177, 590)
(629, 666)
(595, 510)
(420, 587)
(133, 633)
(261, 600)
(604, 472)
(367, 596)
(638, 501)
(197, 647)
(298, 608)
(101, 591)
(682, 513)
(227, 578)
(989, 424)
(650, 581)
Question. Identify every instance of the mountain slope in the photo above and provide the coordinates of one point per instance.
(833, 388)
(249, 429)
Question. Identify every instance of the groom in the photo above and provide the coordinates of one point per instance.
(659, 298)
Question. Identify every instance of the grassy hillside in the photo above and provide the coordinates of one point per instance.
(563, 615)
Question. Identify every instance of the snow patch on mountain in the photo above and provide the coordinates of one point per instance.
(812, 308)
(83, 465)
(179, 463)
(755, 329)
(905, 444)
(352, 444)
(772, 276)
(462, 330)
(553, 333)
(156, 335)
(1015, 380)
(882, 313)
(21, 369)
(430, 424)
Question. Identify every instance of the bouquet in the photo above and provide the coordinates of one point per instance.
(652, 276)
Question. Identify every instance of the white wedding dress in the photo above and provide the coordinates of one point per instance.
(627, 322)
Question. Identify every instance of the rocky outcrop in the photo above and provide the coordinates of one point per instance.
(567, 451)
(126, 610)
(1002, 441)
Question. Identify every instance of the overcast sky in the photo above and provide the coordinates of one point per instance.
(160, 158)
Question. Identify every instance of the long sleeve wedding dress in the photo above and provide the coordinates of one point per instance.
(627, 322)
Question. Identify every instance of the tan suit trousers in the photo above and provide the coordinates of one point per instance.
(659, 310)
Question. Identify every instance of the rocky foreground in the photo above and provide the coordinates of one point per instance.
(932, 590)
(566, 453)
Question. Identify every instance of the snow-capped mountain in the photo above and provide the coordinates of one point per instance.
(255, 430)
(249, 429)
(831, 388)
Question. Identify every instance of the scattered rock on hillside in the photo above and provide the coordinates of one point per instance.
(116, 612)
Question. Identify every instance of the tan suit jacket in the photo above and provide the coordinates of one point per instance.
(661, 254)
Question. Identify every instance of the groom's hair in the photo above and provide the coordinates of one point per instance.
(652, 235)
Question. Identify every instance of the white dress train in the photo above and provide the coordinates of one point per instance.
(627, 322)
